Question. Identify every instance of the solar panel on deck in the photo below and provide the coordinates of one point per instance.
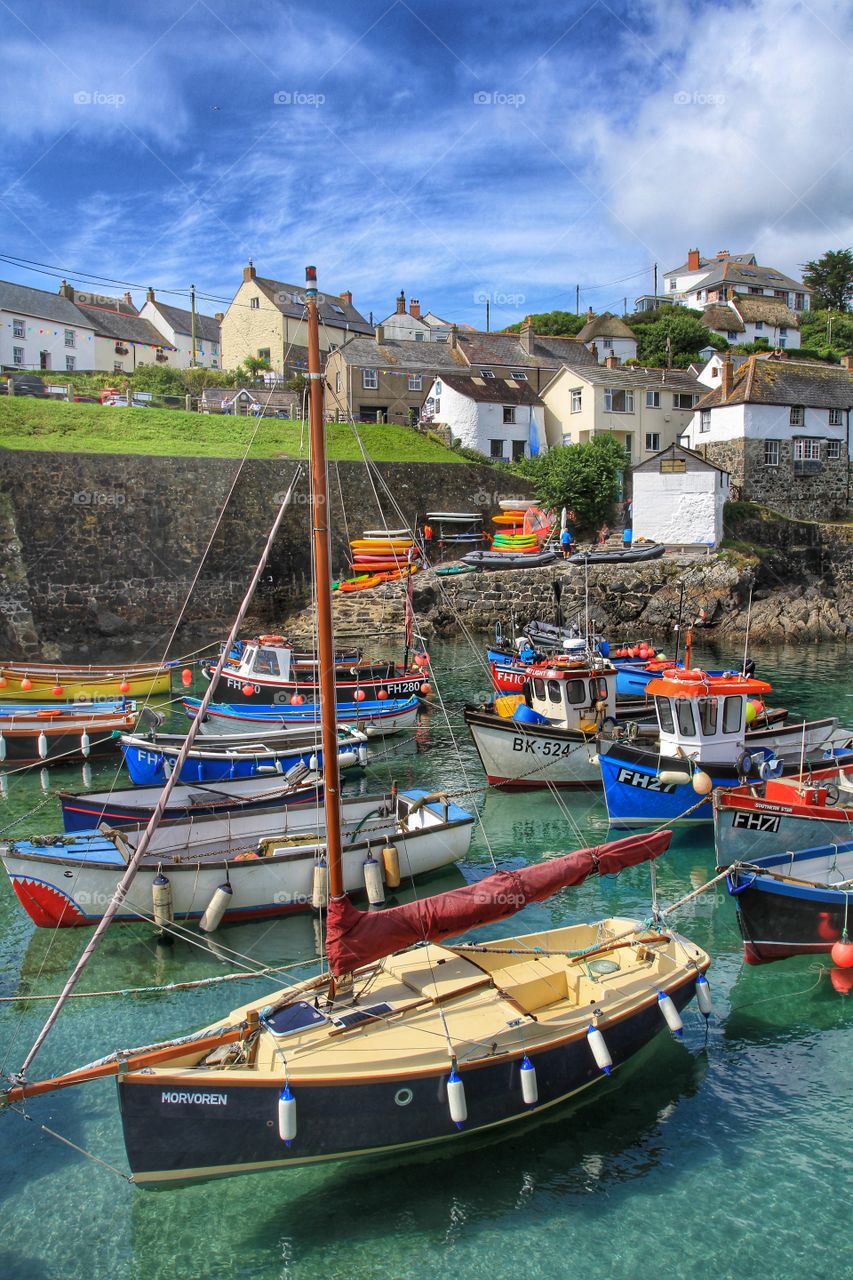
(294, 1017)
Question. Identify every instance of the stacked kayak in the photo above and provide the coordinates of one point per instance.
(379, 556)
(521, 532)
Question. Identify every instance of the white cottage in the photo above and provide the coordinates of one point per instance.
(176, 325)
(498, 417)
(609, 336)
(678, 499)
(40, 330)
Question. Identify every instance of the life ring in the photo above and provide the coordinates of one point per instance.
(692, 675)
(49, 713)
(271, 639)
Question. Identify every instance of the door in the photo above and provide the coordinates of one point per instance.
(44, 359)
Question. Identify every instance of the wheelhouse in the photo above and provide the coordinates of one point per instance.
(577, 695)
(703, 716)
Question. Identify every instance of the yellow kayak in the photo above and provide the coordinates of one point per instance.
(40, 682)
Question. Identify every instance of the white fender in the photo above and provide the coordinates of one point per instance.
(85, 744)
(161, 896)
(703, 995)
(42, 745)
(456, 1099)
(286, 1115)
(600, 1052)
(320, 887)
(529, 1085)
(216, 908)
(671, 1015)
(373, 881)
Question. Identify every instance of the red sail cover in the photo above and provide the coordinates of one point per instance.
(356, 937)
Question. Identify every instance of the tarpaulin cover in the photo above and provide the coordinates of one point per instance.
(356, 937)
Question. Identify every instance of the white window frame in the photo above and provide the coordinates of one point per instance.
(705, 421)
(438, 387)
(70, 338)
(679, 395)
(652, 399)
(18, 357)
(518, 375)
(487, 373)
(797, 416)
(836, 418)
(370, 380)
(833, 450)
(70, 364)
(19, 328)
(771, 453)
(577, 399)
(806, 449)
(337, 382)
(416, 382)
(651, 438)
(118, 367)
(499, 453)
(509, 415)
(254, 304)
(609, 393)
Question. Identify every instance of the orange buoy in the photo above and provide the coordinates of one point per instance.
(26, 684)
(842, 980)
(382, 695)
(359, 695)
(842, 953)
(247, 690)
(426, 690)
(826, 930)
(124, 687)
(297, 700)
(186, 677)
(3, 682)
(58, 691)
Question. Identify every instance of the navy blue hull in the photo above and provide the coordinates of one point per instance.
(172, 1134)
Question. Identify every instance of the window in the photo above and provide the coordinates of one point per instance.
(684, 714)
(759, 326)
(683, 400)
(771, 453)
(783, 330)
(554, 692)
(618, 401)
(705, 420)
(436, 406)
(416, 381)
(496, 448)
(576, 691)
(339, 311)
(214, 348)
(419, 337)
(518, 375)
(799, 301)
(715, 372)
(835, 419)
(607, 344)
(337, 382)
(732, 713)
(70, 363)
(673, 285)
(652, 442)
(833, 450)
(18, 356)
(518, 447)
(797, 415)
(781, 293)
(369, 380)
(118, 367)
(731, 334)
(806, 450)
(264, 353)
(665, 720)
(708, 716)
(266, 663)
(487, 373)
(438, 386)
(754, 288)
(652, 399)
(69, 338)
(19, 329)
(254, 303)
(509, 414)
(783, 342)
(539, 688)
(577, 393)
(672, 466)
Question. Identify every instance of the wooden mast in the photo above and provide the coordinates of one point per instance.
(323, 590)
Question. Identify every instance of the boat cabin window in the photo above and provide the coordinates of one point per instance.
(732, 714)
(554, 692)
(539, 689)
(665, 718)
(708, 716)
(576, 692)
(597, 689)
(686, 722)
(266, 662)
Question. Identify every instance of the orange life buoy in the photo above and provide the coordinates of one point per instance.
(271, 639)
(49, 713)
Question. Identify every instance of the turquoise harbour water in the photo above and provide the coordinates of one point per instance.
(722, 1156)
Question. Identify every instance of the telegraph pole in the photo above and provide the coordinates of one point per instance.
(192, 303)
(577, 299)
(487, 315)
(656, 281)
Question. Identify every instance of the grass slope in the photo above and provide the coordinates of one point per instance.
(58, 427)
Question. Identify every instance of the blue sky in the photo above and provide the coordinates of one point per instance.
(456, 151)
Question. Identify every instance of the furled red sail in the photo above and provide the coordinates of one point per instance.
(356, 937)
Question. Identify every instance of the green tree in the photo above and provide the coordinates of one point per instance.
(829, 332)
(158, 378)
(831, 278)
(686, 335)
(558, 324)
(581, 477)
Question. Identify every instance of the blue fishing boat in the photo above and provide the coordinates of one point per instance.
(793, 904)
(374, 717)
(702, 743)
(149, 760)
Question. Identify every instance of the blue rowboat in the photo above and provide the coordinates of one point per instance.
(150, 761)
(374, 717)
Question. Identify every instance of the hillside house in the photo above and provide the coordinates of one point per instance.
(608, 336)
(498, 417)
(176, 325)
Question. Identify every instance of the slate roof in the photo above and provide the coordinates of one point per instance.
(723, 318)
(605, 326)
(120, 306)
(40, 305)
(403, 353)
(290, 300)
(633, 377)
(686, 269)
(206, 327)
(127, 328)
(507, 349)
(492, 390)
(561, 350)
(786, 382)
(731, 274)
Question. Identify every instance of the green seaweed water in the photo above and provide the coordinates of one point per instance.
(723, 1155)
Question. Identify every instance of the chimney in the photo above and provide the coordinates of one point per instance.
(722, 255)
(453, 337)
(415, 308)
(526, 336)
(249, 272)
(219, 315)
(612, 362)
(590, 315)
(401, 304)
(847, 361)
(149, 295)
(692, 259)
(730, 295)
(128, 297)
(346, 298)
(379, 334)
(67, 290)
(726, 376)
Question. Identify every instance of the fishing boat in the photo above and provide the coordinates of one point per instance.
(758, 818)
(270, 859)
(405, 1041)
(793, 904)
(268, 672)
(35, 734)
(152, 758)
(86, 811)
(702, 743)
(43, 682)
(376, 719)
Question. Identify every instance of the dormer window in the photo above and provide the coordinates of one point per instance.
(518, 375)
(487, 373)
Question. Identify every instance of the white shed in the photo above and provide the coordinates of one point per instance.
(678, 499)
